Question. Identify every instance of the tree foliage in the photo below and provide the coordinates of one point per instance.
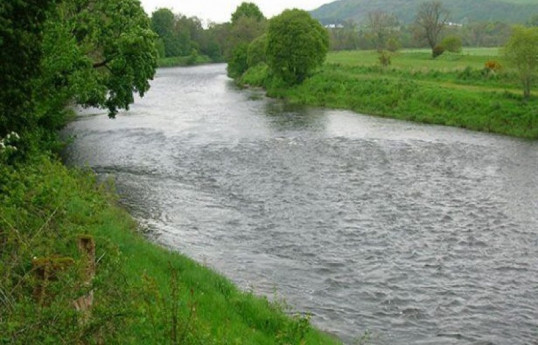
(296, 44)
(111, 48)
(92, 53)
(431, 19)
(21, 32)
(521, 51)
(247, 10)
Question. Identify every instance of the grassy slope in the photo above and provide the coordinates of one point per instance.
(139, 287)
(452, 90)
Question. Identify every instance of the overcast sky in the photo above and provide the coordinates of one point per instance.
(221, 10)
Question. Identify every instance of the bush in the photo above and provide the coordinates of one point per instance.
(238, 64)
(452, 44)
(256, 51)
(393, 45)
(438, 50)
(384, 58)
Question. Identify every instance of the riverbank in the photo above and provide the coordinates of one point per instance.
(454, 90)
(183, 61)
(142, 293)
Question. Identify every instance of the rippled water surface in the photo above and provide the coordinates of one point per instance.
(418, 234)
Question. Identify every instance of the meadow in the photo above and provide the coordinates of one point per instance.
(474, 89)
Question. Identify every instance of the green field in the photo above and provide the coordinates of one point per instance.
(454, 89)
(418, 59)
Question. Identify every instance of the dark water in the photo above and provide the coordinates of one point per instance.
(417, 234)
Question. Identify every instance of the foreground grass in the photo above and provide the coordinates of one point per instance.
(143, 294)
(454, 90)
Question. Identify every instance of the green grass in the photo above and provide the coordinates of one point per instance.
(177, 61)
(418, 59)
(454, 89)
(144, 294)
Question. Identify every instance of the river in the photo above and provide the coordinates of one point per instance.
(416, 234)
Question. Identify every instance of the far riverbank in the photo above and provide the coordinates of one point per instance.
(453, 90)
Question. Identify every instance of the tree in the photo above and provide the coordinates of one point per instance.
(248, 23)
(382, 27)
(296, 44)
(522, 52)
(21, 33)
(248, 10)
(98, 54)
(163, 22)
(431, 19)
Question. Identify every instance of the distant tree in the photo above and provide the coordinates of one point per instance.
(296, 44)
(248, 10)
(163, 22)
(430, 20)
(382, 27)
(344, 36)
(522, 52)
(248, 23)
(533, 21)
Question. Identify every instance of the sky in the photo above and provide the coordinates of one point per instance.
(220, 11)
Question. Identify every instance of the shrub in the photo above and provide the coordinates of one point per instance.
(393, 44)
(384, 58)
(256, 51)
(438, 50)
(452, 44)
(237, 65)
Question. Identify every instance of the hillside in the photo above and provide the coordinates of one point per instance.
(511, 11)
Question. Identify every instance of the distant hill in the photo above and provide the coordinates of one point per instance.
(509, 11)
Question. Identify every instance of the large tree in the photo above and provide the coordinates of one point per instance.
(21, 33)
(430, 21)
(99, 53)
(296, 44)
(522, 52)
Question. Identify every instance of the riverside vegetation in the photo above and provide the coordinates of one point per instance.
(474, 89)
(73, 267)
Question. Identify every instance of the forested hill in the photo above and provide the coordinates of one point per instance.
(511, 11)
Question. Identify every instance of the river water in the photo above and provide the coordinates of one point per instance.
(416, 234)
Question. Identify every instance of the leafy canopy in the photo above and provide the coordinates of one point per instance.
(248, 10)
(296, 45)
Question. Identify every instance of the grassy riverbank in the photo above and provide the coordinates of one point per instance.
(454, 89)
(143, 294)
(182, 61)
